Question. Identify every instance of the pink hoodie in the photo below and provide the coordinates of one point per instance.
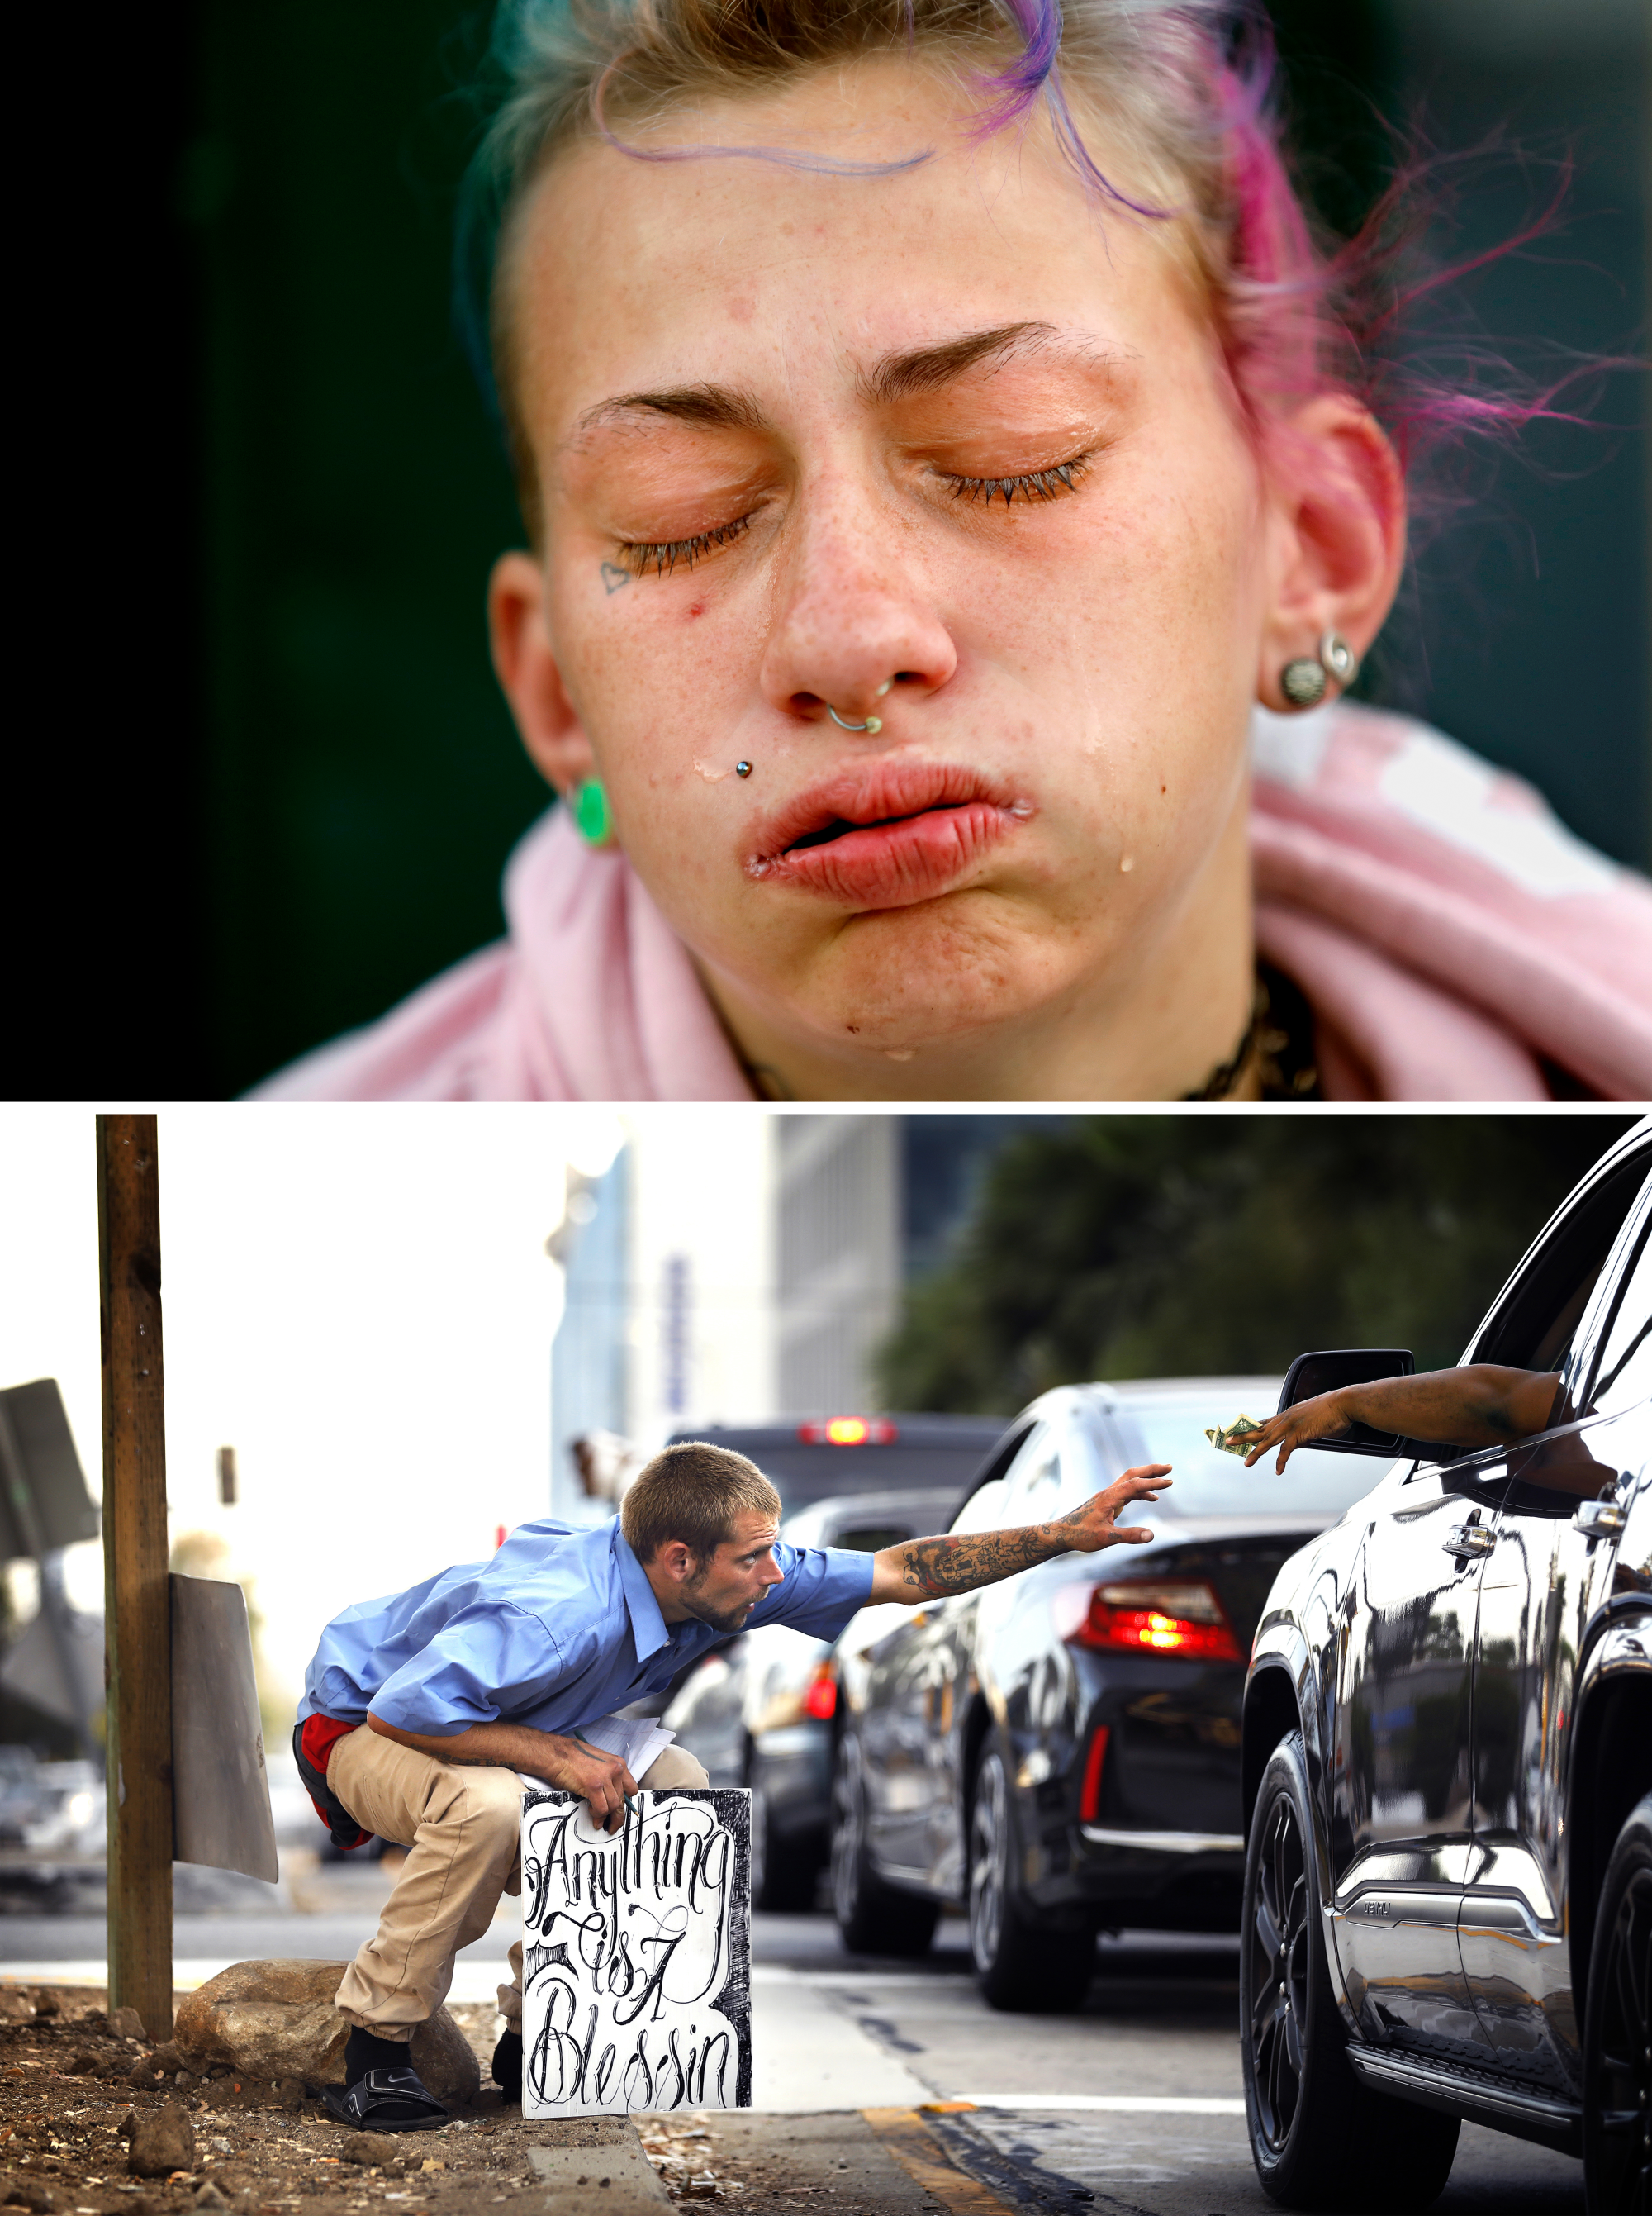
(1448, 932)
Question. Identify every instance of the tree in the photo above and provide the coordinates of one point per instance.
(1175, 1246)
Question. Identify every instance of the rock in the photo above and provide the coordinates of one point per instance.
(277, 2020)
(126, 2023)
(160, 2143)
(166, 2057)
(288, 2093)
(210, 2197)
(45, 2003)
(368, 2148)
(84, 2062)
(144, 2071)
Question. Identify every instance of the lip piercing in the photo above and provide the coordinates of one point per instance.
(742, 769)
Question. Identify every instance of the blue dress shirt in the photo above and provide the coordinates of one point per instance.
(558, 1629)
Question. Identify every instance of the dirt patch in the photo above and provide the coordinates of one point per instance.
(70, 2087)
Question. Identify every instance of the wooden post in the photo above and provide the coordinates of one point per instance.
(137, 1605)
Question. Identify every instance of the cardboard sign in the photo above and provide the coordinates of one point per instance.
(637, 1954)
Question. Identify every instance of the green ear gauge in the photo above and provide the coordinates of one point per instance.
(591, 817)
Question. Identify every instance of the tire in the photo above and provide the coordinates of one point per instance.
(1319, 2139)
(872, 1917)
(1617, 2030)
(1018, 1966)
(782, 1876)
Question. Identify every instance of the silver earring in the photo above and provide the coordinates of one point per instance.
(1303, 681)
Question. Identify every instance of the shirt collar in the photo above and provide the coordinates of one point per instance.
(648, 1631)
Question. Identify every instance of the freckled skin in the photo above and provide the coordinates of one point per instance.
(1086, 651)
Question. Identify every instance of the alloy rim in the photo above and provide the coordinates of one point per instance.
(989, 1847)
(1277, 1946)
(1624, 2118)
(846, 1834)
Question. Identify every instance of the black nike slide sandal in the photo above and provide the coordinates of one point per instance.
(387, 2100)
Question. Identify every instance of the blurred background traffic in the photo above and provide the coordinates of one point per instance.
(385, 1350)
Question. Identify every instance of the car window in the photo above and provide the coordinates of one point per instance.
(1034, 1493)
(1622, 1375)
(1537, 1324)
(985, 1510)
(870, 1538)
(1206, 1483)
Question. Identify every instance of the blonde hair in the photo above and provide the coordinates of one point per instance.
(693, 1492)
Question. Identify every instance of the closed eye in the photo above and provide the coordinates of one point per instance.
(1028, 484)
(640, 556)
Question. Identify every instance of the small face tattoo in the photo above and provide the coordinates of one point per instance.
(613, 576)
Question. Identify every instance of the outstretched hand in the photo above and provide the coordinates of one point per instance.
(1322, 1417)
(1096, 1524)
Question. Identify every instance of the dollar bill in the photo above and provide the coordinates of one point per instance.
(1226, 1438)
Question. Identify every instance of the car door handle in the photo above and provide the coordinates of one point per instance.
(1468, 1540)
(1601, 1519)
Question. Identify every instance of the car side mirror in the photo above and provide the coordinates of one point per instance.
(1311, 1374)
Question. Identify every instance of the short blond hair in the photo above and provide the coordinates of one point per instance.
(693, 1492)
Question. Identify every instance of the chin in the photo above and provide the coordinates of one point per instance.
(931, 977)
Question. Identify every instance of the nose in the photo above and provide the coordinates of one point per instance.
(772, 1573)
(855, 629)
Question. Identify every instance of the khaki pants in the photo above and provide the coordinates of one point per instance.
(463, 1828)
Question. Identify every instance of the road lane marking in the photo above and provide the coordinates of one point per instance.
(903, 2134)
(1141, 2104)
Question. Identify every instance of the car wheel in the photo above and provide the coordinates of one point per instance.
(1017, 1965)
(781, 1878)
(873, 1918)
(1318, 2138)
(1617, 2030)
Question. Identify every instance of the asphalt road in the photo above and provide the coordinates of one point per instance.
(1133, 2101)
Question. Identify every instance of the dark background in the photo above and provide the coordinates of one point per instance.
(269, 786)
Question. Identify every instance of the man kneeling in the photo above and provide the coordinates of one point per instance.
(422, 1712)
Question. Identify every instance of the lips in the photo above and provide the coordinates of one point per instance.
(887, 835)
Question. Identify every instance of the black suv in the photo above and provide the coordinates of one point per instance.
(1447, 1768)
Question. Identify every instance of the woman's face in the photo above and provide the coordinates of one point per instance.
(941, 448)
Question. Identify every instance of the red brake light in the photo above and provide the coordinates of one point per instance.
(821, 1699)
(1177, 1617)
(1090, 1793)
(849, 1432)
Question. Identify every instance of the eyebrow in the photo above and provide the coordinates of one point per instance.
(897, 376)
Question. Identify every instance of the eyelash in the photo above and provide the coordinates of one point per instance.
(1033, 484)
(639, 557)
(662, 559)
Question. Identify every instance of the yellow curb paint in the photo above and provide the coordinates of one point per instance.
(902, 2131)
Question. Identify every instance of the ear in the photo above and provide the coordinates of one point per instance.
(675, 1561)
(1337, 535)
(526, 669)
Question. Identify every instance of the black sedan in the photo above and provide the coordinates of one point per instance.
(1062, 1751)
(1448, 1766)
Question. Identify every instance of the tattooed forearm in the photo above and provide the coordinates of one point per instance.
(938, 1566)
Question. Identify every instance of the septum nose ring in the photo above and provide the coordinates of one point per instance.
(871, 723)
